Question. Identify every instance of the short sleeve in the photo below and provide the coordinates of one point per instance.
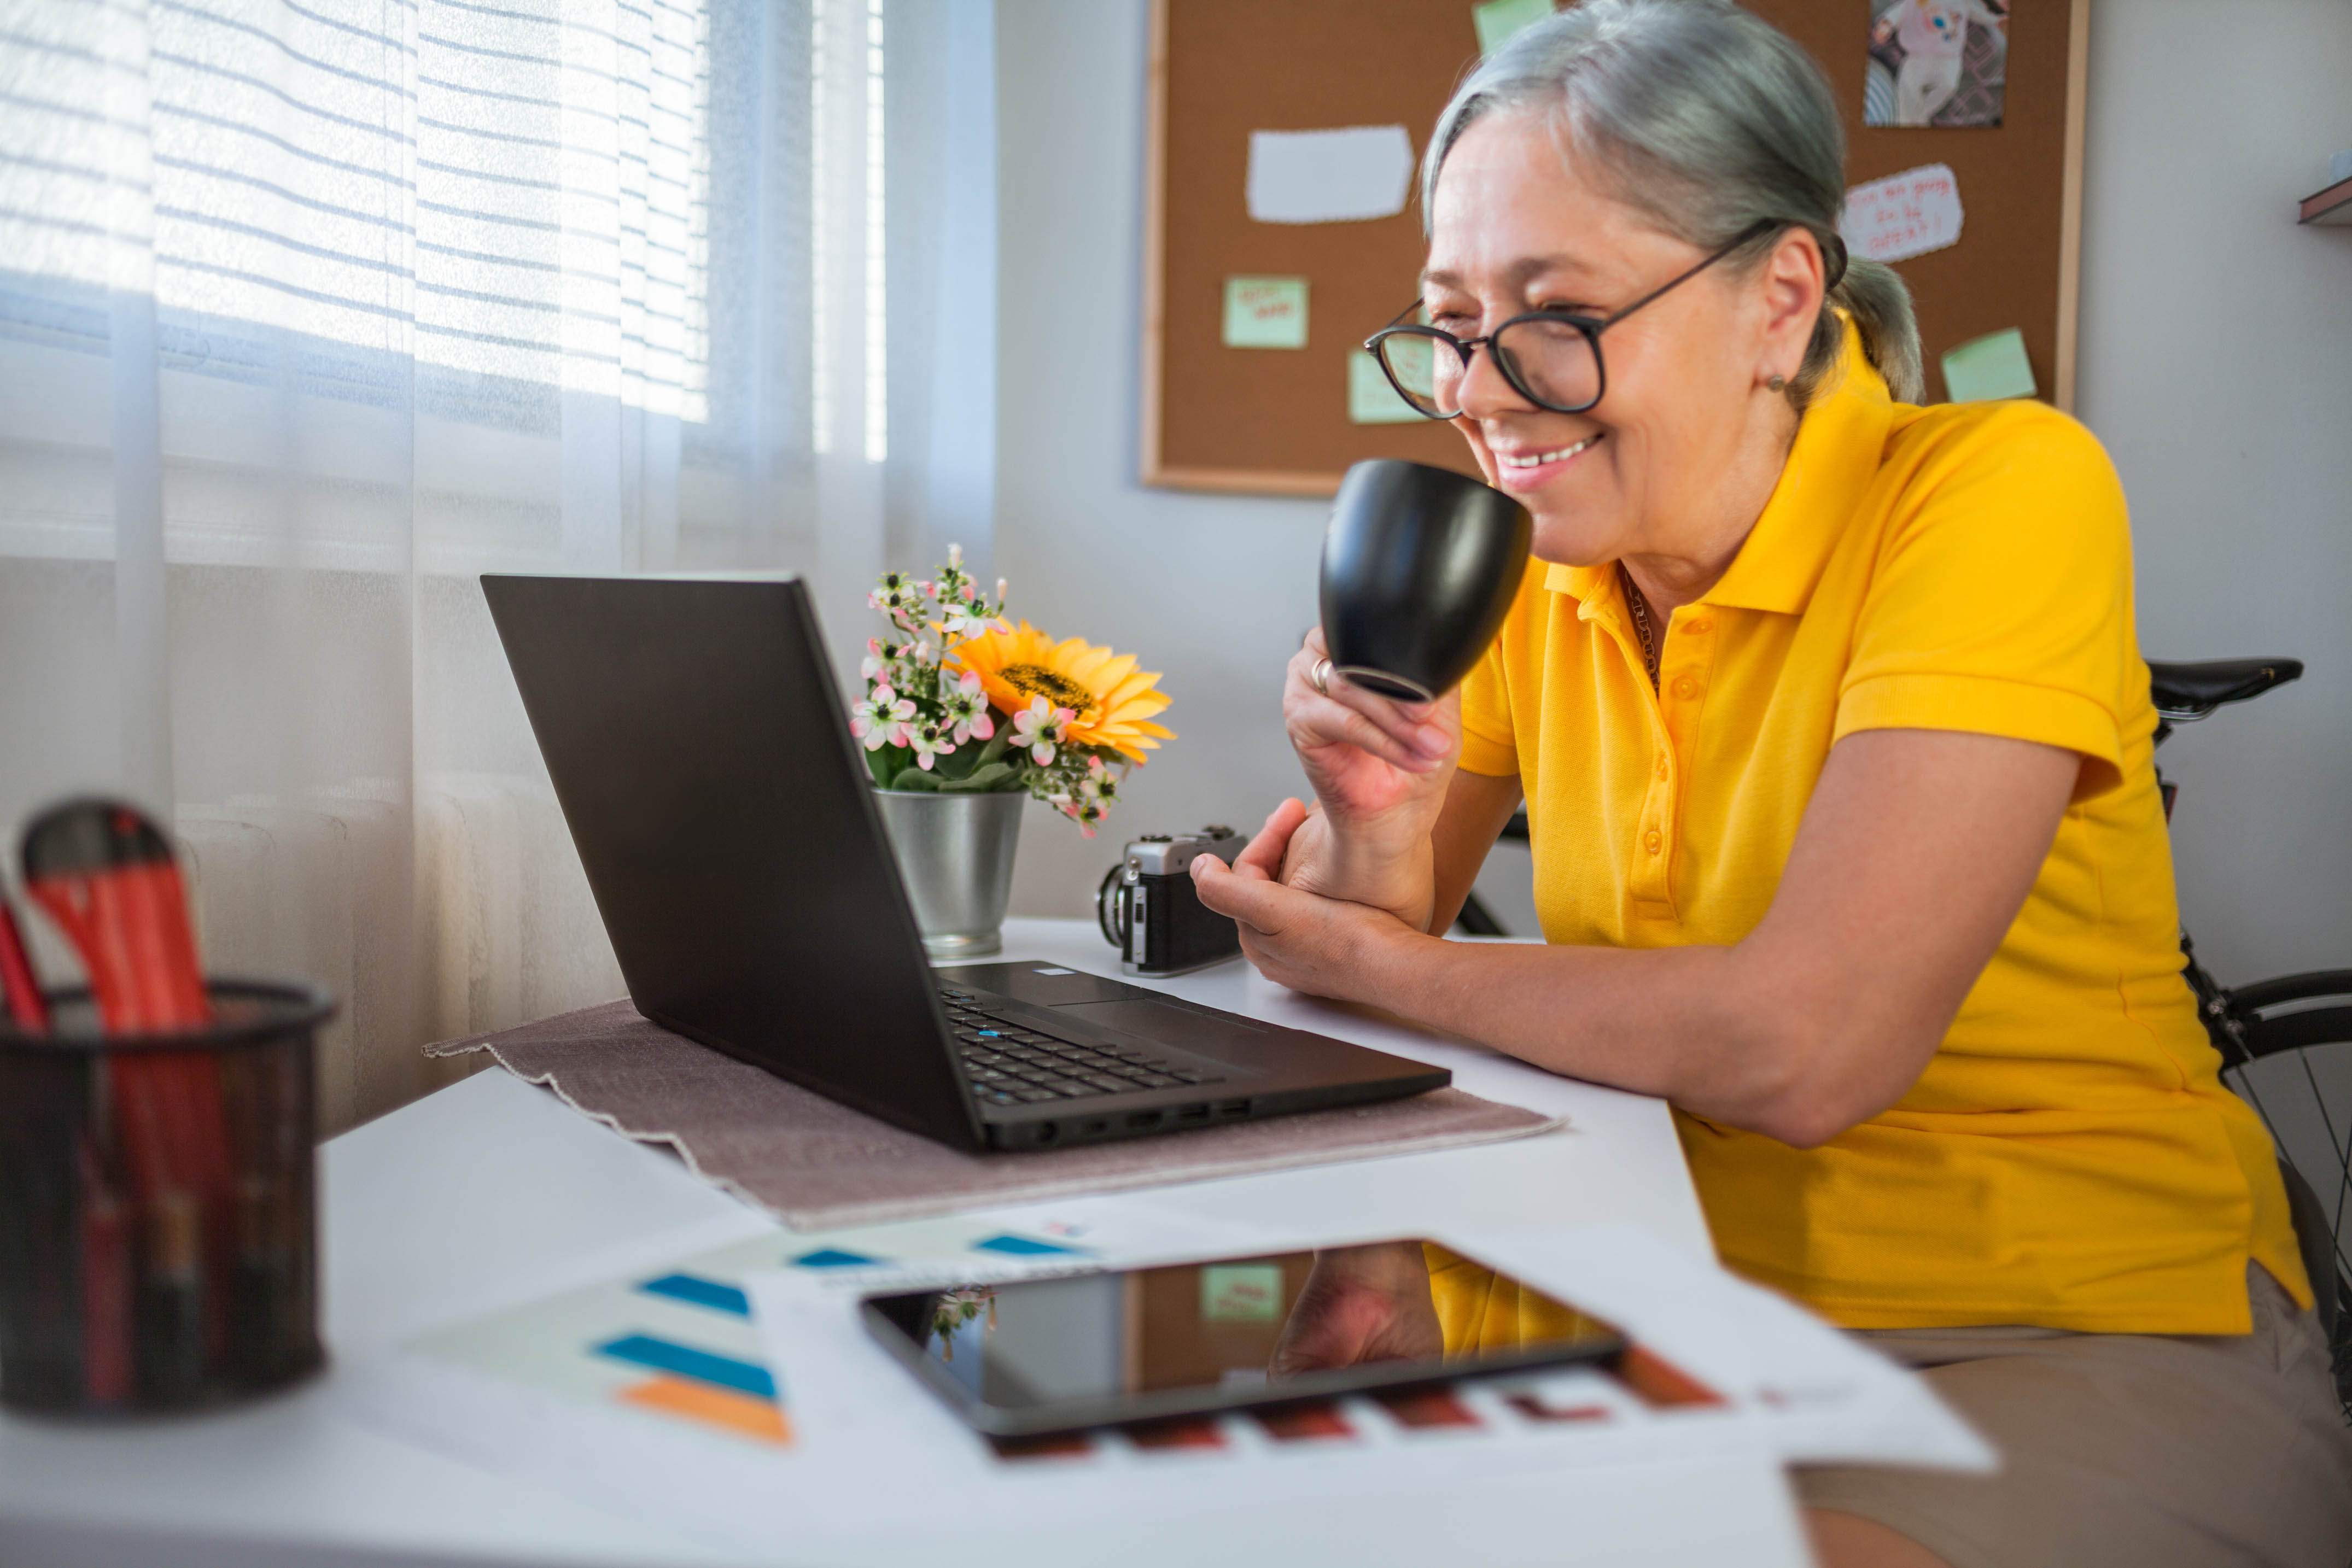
(1489, 731)
(1487, 745)
(2002, 602)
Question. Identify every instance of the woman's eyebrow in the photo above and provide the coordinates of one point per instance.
(1516, 276)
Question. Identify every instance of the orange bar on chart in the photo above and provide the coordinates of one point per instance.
(744, 1413)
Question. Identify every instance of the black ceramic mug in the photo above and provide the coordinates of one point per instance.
(1420, 566)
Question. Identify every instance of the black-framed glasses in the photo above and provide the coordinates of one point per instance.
(1551, 358)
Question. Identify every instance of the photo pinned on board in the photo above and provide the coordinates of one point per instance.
(1939, 63)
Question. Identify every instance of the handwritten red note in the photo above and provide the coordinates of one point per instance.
(1903, 214)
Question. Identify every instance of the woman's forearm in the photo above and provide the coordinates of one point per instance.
(1917, 852)
(1689, 1024)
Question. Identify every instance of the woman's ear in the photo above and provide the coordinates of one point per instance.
(1791, 279)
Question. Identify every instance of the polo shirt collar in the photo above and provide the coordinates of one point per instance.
(1839, 445)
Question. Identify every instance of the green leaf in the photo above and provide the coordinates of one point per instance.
(915, 778)
(982, 780)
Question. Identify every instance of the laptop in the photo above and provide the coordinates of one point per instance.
(698, 746)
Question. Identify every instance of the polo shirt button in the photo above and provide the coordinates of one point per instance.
(1651, 840)
(1700, 628)
(1662, 765)
(1686, 688)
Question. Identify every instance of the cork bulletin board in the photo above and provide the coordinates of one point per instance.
(1276, 420)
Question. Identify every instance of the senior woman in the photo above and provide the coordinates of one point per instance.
(1835, 740)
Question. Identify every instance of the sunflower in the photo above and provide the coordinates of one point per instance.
(1113, 700)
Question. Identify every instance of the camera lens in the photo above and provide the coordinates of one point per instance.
(1110, 908)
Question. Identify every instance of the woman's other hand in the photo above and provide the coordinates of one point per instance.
(1365, 754)
(1360, 1304)
(1380, 769)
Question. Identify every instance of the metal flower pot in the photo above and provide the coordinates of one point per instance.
(955, 855)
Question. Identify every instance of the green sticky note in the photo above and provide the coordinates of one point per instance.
(1265, 312)
(1992, 366)
(1497, 20)
(1241, 1293)
(1371, 398)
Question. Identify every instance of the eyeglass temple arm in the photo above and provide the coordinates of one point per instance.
(1753, 231)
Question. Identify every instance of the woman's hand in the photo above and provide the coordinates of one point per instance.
(1380, 769)
(1296, 937)
(1365, 754)
(1360, 1304)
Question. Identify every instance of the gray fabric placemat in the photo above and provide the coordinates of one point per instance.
(814, 1164)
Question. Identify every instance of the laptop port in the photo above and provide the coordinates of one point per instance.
(1233, 1107)
(1047, 1132)
(1142, 1120)
(1097, 1126)
(1193, 1113)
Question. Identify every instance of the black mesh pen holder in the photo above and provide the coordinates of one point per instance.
(158, 1214)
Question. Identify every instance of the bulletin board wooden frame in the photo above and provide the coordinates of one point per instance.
(1274, 420)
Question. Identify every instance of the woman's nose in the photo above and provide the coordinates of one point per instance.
(1485, 390)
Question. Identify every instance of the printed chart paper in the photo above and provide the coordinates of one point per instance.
(1338, 176)
(1720, 1369)
(1903, 216)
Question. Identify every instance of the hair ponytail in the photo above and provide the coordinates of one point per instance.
(1879, 302)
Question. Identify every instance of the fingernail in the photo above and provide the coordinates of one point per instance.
(1431, 739)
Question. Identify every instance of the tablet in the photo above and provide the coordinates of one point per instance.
(1102, 1347)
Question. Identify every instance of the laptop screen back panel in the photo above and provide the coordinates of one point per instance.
(704, 765)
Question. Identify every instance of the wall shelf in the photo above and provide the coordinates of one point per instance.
(2331, 205)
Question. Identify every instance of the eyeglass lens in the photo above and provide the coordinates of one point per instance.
(1548, 361)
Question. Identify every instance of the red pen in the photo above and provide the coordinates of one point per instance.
(107, 876)
(20, 986)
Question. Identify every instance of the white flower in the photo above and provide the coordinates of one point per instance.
(965, 618)
(928, 741)
(881, 719)
(963, 703)
(1040, 728)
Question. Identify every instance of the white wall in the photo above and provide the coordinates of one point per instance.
(2217, 364)
(1215, 592)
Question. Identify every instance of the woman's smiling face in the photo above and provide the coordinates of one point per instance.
(1518, 226)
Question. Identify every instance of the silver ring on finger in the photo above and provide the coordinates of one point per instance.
(1319, 678)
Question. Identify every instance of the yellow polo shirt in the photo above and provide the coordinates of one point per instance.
(2069, 1158)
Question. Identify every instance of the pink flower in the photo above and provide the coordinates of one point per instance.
(928, 741)
(1040, 728)
(963, 703)
(881, 719)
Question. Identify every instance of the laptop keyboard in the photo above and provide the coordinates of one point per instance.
(1014, 1064)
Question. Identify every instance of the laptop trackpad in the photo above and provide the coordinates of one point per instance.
(1227, 1039)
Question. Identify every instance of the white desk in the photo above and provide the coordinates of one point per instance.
(471, 1195)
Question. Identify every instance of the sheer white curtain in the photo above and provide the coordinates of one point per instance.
(313, 310)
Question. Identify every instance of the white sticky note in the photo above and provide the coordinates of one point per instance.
(1328, 176)
(1498, 20)
(1371, 398)
(1903, 214)
(1265, 313)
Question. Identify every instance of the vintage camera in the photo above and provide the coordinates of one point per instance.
(1149, 911)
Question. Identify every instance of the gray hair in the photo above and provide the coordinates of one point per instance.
(1710, 121)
